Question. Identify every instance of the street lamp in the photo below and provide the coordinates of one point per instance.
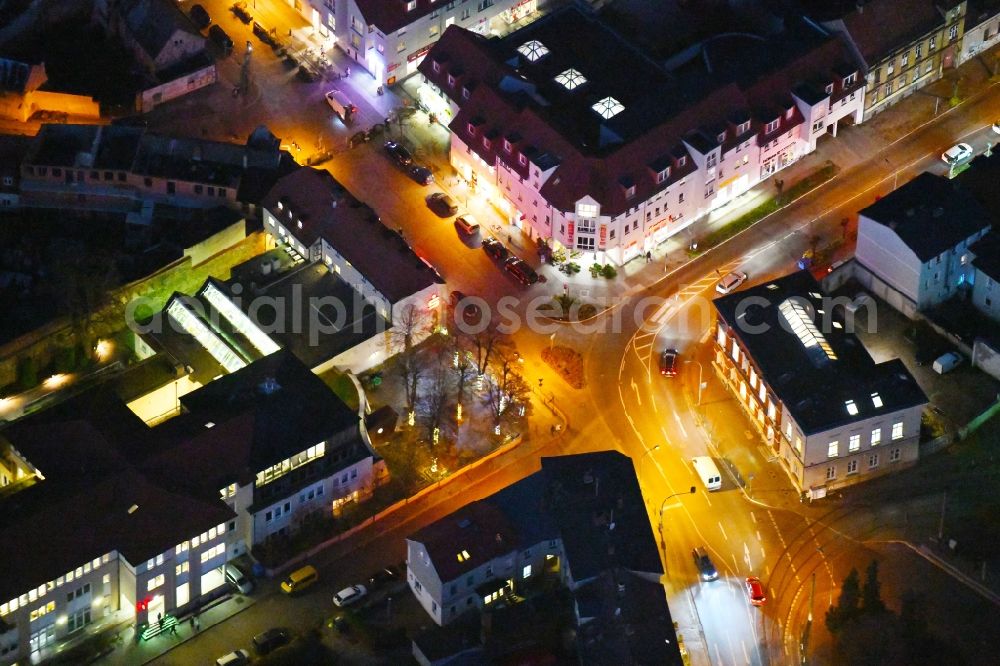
(701, 384)
(663, 506)
(648, 451)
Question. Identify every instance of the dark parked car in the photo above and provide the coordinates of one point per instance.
(270, 640)
(495, 248)
(706, 569)
(521, 271)
(200, 16)
(390, 574)
(421, 174)
(668, 363)
(219, 36)
(442, 204)
(240, 10)
(399, 154)
(471, 313)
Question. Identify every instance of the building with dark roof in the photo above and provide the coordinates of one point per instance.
(605, 150)
(915, 241)
(159, 34)
(982, 27)
(904, 44)
(314, 216)
(122, 169)
(114, 520)
(581, 520)
(829, 412)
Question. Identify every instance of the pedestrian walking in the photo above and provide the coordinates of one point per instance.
(173, 628)
(191, 622)
(649, 257)
(347, 71)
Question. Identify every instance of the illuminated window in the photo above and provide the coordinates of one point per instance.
(852, 409)
(804, 328)
(42, 610)
(897, 430)
(214, 551)
(463, 556)
(855, 443)
(876, 436)
(526, 571)
(586, 210)
(831, 449)
(571, 79)
(608, 107)
(187, 320)
(876, 400)
(181, 568)
(532, 50)
(154, 582)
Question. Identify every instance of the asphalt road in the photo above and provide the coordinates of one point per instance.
(626, 405)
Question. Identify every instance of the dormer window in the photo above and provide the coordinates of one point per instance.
(743, 127)
(487, 144)
(533, 50)
(281, 206)
(608, 107)
(721, 137)
(630, 191)
(771, 126)
(829, 89)
(465, 93)
(472, 129)
(462, 556)
(852, 409)
(451, 80)
(506, 146)
(876, 400)
(436, 66)
(571, 79)
(522, 160)
(663, 175)
(411, 5)
(849, 80)
(299, 223)
(681, 161)
(788, 114)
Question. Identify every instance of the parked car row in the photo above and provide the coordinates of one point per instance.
(264, 643)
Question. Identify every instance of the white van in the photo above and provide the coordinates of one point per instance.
(947, 362)
(467, 224)
(341, 104)
(238, 579)
(708, 472)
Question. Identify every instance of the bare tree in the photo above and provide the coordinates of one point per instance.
(435, 394)
(465, 370)
(410, 371)
(484, 345)
(411, 323)
(505, 386)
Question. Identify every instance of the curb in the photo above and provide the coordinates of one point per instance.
(199, 632)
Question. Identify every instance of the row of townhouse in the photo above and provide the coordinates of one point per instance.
(608, 152)
(117, 521)
(829, 412)
(119, 169)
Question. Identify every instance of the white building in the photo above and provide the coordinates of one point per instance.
(915, 242)
(825, 408)
(605, 151)
(982, 28)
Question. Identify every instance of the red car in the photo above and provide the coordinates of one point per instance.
(756, 591)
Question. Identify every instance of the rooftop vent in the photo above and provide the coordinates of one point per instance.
(533, 50)
(270, 386)
(132, 509)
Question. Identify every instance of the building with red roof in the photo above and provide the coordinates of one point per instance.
(609, 152)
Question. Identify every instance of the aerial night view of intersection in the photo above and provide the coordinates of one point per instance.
(499, 332)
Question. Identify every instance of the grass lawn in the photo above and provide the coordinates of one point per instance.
(342, 385)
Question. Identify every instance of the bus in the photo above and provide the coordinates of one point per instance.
(708, 472)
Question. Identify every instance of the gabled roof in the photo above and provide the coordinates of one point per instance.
(813, 365)
(391, 15)
(987, 251)
(930, 214)
(879, 27)
(329, 211)
(153, 23)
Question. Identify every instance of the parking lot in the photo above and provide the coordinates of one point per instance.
(958, 395)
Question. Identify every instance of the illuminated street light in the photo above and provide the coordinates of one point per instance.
(701, 384)
(648, 451)
(56, 380)
(663, 506)
(103, 349)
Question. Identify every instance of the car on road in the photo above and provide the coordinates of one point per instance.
(237, 579)
(421, 174)
(300, 579)
(495, 248)
(703, 562)
(947, 362)
(668, 362)
(200, 16)
(239, 9)
(442, 204)
(349, 595)
(392, 573)
(341, 104)
(399, 154)
(957, 154)
(731, 282)
(521, 271)
(234, 658)
(755, 591)
(467, 224)
(219, 36)
(268, 641)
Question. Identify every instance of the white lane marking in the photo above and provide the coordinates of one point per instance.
(680, 425)
(635, 387)
(723, 529)
(718, 655)
(763, 555)
(746, 556)
(705, 336)
(759, 540)
(736, 565)
(753, 517)
(746, 655)
(663, 430)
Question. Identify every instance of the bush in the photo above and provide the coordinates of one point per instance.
(65, 359)
(609, 271)
(595, 270)
(567, 362)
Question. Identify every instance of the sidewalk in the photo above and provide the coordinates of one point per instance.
(130, 653)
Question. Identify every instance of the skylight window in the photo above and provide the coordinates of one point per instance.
(805, 329)
(533, 50)
(463, 556)
(608, 107)
(852, 409)
(876, 400)
(571, 79)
